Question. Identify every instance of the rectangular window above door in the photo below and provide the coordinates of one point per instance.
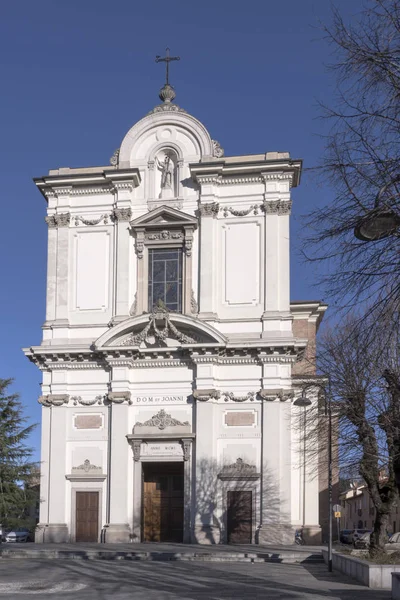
(165, 278)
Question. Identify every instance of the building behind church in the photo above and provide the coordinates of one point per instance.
(171, 352)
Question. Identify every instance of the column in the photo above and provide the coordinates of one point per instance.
(122, 271)
(207, 297)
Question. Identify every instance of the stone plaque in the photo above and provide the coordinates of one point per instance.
(161, 449)
(240, 418)
(88, 421)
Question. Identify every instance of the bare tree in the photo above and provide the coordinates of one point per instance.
(365, 383)
(362, 160)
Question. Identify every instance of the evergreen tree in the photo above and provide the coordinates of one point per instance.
(16, 466)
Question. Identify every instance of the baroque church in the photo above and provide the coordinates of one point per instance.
(171, 352)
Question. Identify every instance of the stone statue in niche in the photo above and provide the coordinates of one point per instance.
(166, 165)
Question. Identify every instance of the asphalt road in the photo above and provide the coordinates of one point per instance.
(22, 579)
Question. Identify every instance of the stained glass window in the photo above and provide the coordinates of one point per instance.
(165, 278)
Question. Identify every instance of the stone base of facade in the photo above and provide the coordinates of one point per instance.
(52, 533)
(312, 534)
(207, 534)
(278, 533)
(117, 533)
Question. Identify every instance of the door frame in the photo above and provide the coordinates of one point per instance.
(158, 462)
(239, 485)
(73, 509)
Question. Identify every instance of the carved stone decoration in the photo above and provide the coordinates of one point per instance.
(218, 152)
(241, 213)
(133, 308)
(50, 222)
(54, 399)
(61, 220)
(162, 420)
(88, 468)
(168, 330)
(103, 218)
(239, 470)
(231, 396)
(79, 400)
(193, 304)
(115, 158)
(277, 207)
(186, 445)
(209, 210)
(119, 397)
(276, 394)
(164, 235)
(122, 214)
(204, 395)
(136, 447)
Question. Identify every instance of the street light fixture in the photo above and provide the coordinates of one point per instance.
(305, 402)
(380, 222)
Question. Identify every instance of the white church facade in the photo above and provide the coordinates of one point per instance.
(171, 352)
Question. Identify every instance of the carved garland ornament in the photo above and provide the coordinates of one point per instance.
(81, 219)
(231, 396)
(79, 400)
(162, 420)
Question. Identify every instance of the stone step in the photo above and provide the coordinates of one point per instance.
(255, 557)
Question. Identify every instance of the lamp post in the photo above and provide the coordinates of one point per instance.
(381, 221)
(305, 402)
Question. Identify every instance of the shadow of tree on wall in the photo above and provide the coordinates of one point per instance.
(234, 502)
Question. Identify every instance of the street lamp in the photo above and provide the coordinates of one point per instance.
(305, 402)
(380, 222)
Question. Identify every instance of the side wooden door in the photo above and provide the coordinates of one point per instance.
(239, 517)
(87, 517)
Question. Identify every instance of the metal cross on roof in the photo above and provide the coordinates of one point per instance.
(167, 59)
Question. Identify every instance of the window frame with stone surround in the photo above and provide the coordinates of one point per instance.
(163, 229)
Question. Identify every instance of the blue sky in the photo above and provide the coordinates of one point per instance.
(77, 74)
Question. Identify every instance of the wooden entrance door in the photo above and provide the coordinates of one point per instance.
(239, 517)
(87, 516)
(163, 502)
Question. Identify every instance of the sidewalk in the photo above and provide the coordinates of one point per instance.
(165, 552)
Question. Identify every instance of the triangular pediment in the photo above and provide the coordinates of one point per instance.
(162, 216)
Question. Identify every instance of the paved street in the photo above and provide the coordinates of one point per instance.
(122, 580)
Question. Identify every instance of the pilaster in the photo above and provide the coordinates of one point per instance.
(118, 529)
(276, 527)
(207, 298)
(122, 217)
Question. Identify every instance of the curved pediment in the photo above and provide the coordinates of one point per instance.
(160, 329)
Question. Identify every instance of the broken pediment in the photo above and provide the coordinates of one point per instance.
(160, 329)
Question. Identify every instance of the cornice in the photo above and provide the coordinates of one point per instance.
(105, 182)
(51, 358)
(227, 172)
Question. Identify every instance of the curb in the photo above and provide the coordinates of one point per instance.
(164, 556)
